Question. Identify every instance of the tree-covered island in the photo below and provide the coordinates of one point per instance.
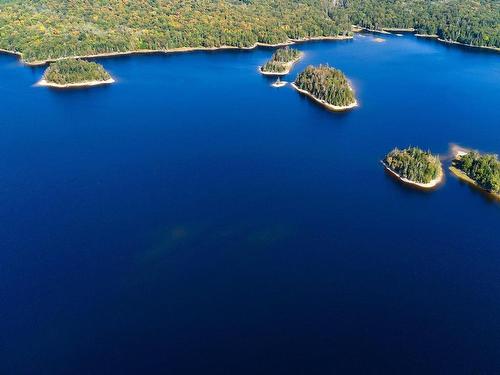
(481, 170)
(414, 166)
(327, 86)
(281, 61)
(75, 73)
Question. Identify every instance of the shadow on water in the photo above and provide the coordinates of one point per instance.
(474, 189)
(181, 237)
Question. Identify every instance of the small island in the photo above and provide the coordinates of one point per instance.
(480, 170)
(281, 62)
(327, 86)
(415, 167)
(279, 83)
(75, 73)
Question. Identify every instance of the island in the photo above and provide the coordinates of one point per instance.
(327, 86)
(75, 73)
(414, 166)
(279, 83)
(479, 170)
(281, 61)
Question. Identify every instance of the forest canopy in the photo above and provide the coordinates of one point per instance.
(414, 164)
(483, 169)
(281, 60)
(48, 29)
(475, 22)
(71, 71)
(327, 84)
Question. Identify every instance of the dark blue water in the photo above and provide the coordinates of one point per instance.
(192, 219)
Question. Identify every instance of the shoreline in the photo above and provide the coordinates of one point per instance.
(388, 30)
(45, 83)
(431, 36)
(461, 175)
(173, 50)
(497, 49)
(290, 41)
(313, 38)
(429, 185)
(399, 30)
(288, 67)
(434, 36)
(333, 107)
(358, 29)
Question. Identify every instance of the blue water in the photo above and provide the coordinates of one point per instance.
(191, 219)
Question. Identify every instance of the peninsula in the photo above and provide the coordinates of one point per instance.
(327, 86)
(75, 73)
(281, 61)
(480, 170)
(414, 166)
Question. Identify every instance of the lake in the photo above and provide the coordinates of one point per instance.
(193, 219)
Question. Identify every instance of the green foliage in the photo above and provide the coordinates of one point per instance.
(285, 55)
(74, 71)
(326, 84)
(50, 29)
(484, 169)
(273, 66)
(280, 59)
(414, 164)
(475, 22)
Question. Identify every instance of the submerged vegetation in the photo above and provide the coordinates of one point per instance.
(42, 30)
(414, 164)
(482, 169)
(73, 71)
(281, 60)
(326, 84)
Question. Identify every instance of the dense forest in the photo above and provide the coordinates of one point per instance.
(281, 60)
(327, 84)
(48, 29)
(414, 164)
(484, 169)
(475, 22)
(69, 71)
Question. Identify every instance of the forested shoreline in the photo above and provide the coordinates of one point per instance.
(45, 30)
(464, 21)
(482, 169)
